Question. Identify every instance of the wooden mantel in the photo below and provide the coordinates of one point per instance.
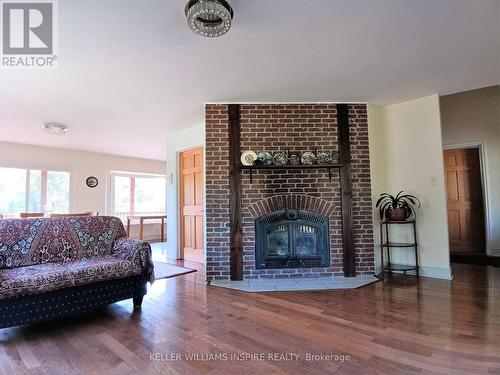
(235, 206)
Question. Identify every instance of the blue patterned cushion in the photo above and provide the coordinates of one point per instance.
(101, 269)
(47, 277)
(34, 279)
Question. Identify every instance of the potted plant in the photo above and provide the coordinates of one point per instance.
(398, 208)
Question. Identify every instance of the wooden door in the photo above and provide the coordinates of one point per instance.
(465, 200)
(192, 205)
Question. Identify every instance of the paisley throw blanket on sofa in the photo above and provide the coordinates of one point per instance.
(39, 255)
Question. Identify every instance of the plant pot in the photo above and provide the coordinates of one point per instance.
(396, 214)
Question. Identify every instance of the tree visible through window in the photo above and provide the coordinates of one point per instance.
(33, 190)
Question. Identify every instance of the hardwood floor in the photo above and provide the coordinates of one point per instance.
(391, 327)
(475, 258)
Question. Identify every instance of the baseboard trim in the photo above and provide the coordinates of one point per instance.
(432, 272)
(495, 252)
(436, 273)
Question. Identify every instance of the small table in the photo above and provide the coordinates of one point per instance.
(141, 223)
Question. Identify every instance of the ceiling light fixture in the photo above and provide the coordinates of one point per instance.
(210, 18)
(53, 128)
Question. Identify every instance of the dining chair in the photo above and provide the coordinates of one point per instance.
(73, 214)
(25, 215)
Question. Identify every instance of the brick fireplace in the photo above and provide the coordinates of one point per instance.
(284, 127)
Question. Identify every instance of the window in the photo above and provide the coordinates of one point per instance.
(12, 190)
(57, 197)
(33, 190)
(137, 194)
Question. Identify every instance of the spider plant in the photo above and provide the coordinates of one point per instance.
(406, 202)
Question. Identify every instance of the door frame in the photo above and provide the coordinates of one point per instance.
(180, 253)
(484, 183)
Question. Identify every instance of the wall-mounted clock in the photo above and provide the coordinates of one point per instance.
(92, 182)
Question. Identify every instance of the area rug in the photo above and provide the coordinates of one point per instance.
(166, 270)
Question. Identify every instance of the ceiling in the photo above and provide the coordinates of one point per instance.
(131, 72)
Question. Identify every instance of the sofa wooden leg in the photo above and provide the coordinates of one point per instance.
(138, 302)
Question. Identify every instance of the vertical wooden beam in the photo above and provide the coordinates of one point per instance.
(346, 190)
(236, 241)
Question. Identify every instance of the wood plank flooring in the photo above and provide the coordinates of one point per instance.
(391, 327)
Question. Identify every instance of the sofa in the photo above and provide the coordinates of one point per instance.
(53, 267)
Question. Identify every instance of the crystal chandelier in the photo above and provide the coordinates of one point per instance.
(210, 18)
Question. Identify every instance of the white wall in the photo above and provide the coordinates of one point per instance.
(179, 141)
(81, 164)
(378, 165)
(406, 154)
(473, 117)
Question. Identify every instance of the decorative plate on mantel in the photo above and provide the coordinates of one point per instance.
(248, 157)
(324, 157)
(294, 158)
(265, 157)
(308, 158)
(280, 158)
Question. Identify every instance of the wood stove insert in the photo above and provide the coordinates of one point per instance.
(292, 239)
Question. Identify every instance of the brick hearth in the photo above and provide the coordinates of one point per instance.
(295, 127)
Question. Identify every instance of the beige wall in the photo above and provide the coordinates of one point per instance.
(179, 141)
(81, 165)
(378, 166)
(472, 118)
(406, 154)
